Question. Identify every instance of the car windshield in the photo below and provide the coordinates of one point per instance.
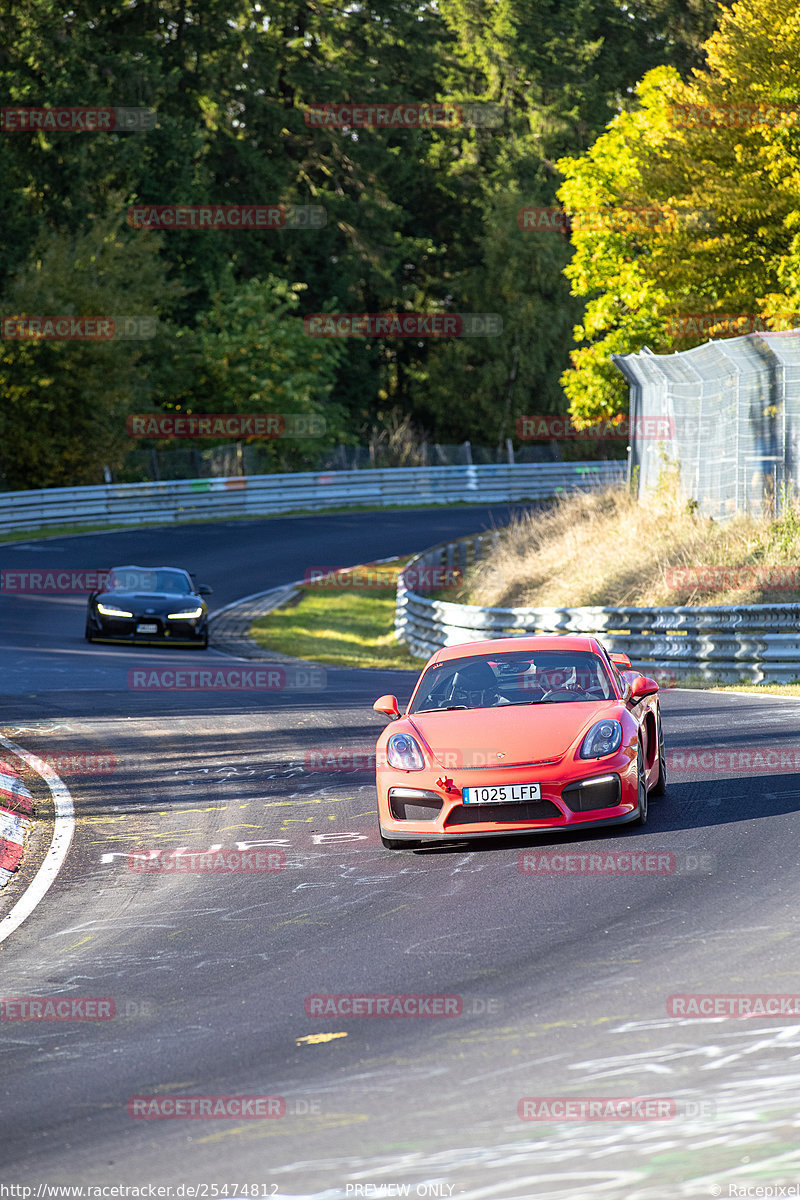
(139, 579)
(495, 680)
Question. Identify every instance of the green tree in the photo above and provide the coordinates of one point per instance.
(250, 354)
(415, 216)
(716, 155)
(64, 402)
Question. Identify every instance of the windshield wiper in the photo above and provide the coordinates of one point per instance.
(439, 708)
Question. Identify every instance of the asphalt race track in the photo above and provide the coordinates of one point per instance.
(558, 984)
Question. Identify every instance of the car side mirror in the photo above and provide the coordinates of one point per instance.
(205, 590)
(643, 687)
(388, 706)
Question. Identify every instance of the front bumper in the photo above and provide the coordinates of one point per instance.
(422, 809)
(168, 633)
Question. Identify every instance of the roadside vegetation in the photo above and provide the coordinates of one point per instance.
(342, 626)
(605, 548)
(601, 548)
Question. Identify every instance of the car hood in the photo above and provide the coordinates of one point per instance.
(160, 602)
(510, 734)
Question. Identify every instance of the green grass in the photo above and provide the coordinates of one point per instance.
(355, 628)
(341, 628)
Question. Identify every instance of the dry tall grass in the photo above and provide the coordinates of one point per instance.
(606, 548)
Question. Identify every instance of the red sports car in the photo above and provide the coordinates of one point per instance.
(518, 735)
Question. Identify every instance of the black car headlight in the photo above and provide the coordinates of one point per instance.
(189, 614)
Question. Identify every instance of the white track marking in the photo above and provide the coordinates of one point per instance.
(62, 837)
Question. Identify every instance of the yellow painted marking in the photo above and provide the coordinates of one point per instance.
(82, 942)
(314, 1039)
(293, 803)
(230, 828)
(173, 812)
(141, 839)
(287, 1127)
(369, 813)
(393, 910)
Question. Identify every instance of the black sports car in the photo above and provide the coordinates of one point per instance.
(149, 605)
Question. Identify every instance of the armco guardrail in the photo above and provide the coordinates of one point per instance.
(757, 642)
(251, 495)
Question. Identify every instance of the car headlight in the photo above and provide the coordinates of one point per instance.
(185, 616)
(403, 751)
(603, 738)
(106, 611)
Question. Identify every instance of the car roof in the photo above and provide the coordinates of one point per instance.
(523, 645)
(135, 567)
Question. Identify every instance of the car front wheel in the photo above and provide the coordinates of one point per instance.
(641, 786)
(397, 844)
(660, 787)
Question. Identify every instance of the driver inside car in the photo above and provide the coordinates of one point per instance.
(476, 686)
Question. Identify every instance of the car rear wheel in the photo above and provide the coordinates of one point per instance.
(641, 782)
(660, 788)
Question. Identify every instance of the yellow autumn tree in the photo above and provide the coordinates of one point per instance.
(686, 211)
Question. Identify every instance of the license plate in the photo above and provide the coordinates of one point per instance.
(147, 629)
(502, 793)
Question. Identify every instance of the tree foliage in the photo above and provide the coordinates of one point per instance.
(418, 219)
(714, 158)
